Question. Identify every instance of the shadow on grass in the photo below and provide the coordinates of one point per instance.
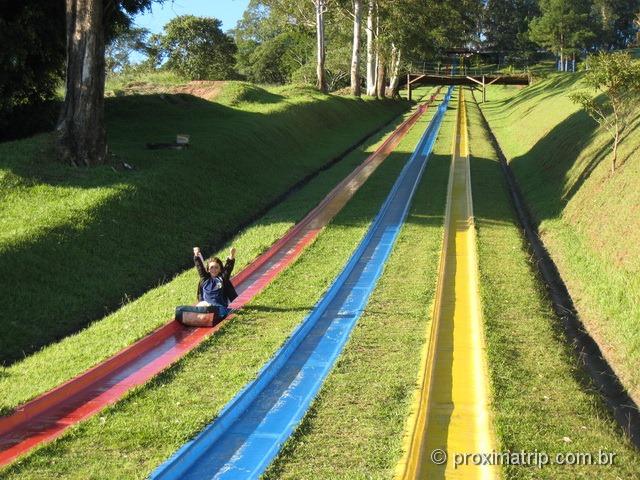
(492, 207)
(140, 234)
(543, 171)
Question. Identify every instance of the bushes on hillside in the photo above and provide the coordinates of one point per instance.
(616, 76)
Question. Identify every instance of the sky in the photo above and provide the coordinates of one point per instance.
(229, 11)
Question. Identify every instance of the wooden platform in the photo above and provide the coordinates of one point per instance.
(482, 81)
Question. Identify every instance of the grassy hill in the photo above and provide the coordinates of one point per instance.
(588, 218)
(75, 244)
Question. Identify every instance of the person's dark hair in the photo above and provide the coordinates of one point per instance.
(215, 260)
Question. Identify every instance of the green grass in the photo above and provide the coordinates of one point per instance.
(540, 393)
(62, 360)
(589, 220)
(77, 244)
(355, 426)
(131, 438)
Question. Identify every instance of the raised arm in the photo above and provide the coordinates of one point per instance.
(230, 263)
(199, 262)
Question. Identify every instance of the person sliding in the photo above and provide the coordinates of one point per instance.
(215, 292)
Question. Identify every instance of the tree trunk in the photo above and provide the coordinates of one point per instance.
(614, 158)
(371, 66)
(320, 70)
(381, 81)
(82, 139)
(394, 84)
(561, 61)
(355, 54)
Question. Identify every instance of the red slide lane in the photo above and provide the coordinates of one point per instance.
(49, 415)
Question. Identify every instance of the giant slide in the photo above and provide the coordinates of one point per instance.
(49, 415)
(249, 432)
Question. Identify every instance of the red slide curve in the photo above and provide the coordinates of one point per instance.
(49, 415)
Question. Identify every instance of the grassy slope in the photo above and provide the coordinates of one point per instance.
(62, 360)
(540, 394)
(589, 221)
(81, 242)
(355, 427)
(181, 400)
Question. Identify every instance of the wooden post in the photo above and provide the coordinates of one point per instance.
(409, 86)
(484, 91)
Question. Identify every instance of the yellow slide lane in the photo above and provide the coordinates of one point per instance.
(450, 419)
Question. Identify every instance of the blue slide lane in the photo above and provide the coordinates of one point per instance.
(250, 430)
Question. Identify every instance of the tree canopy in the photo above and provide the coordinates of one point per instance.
(197, 48)
(346, 42)
(32, 59)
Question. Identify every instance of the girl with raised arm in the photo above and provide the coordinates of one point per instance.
(215, 292)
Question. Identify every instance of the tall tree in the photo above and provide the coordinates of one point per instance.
(614, 23)
(81, 131)
(197, 48)
(124, 43)
(298, 11)
(355, 53)
(321, 9)
(394, 67)
(82, 134)
(506, 25)
(371, 47)
(562, 27)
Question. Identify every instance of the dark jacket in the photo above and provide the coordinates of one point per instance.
(227, 287)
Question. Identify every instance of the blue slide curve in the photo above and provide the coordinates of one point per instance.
(249, 432)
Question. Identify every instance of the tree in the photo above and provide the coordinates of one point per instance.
(614, 23)
(563, 27)
(506, 25)
(32, 59)
(82, 135)
(321, 9)
(125, 42)
(616, 76)
(417, 29)
(297, 11)
(371, 47)
(257, 26)
(275, 60)
(81, 131)
(272, 47)
(197, 48)
(355, 53)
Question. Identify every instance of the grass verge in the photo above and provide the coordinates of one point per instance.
(152, 421)
(355, 426)
(79, 243)
(63, 360)
(542, 400)
(587, 218)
